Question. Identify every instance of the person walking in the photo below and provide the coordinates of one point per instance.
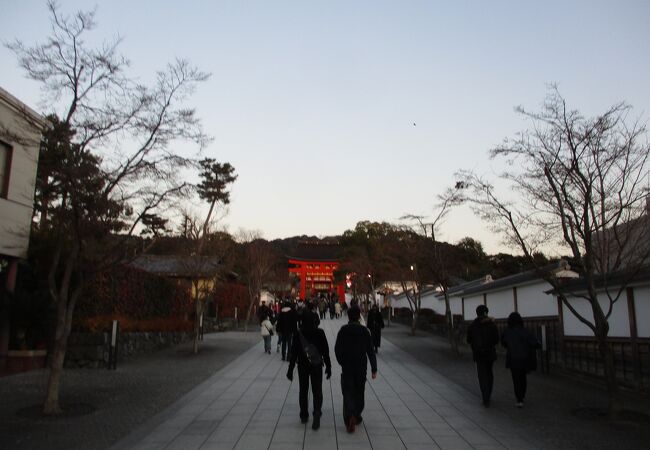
(483, 336)
(266, 329)
(521, 355)
(310, 352)
(286, 327)
(337, 309)
(264, 311)
(353, 350)
(322, 307)
(375, 324)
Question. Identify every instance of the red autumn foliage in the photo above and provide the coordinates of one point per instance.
(141, 301)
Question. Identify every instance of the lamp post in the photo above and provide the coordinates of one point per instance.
(386, 292)
(372, 287)
(416, 294)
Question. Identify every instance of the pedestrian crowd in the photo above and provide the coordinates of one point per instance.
(304, 345)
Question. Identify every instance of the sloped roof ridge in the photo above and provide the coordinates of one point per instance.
(469, 284)
(520, 277)
(177, 265)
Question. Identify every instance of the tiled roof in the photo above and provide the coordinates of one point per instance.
(617, 279)
(461, 288)
(178, 266)
(316, 251)
(521, 278)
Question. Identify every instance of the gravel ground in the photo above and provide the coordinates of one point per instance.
(551, 401)
(120, 400)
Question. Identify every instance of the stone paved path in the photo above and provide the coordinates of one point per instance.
(250, 404)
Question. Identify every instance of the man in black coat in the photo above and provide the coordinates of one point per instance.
(353, 349)
(306, 370)
(483, 336)
(286, 326)
(375, 324)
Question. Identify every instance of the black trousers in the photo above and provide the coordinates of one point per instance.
(305, 374)
(286, 345)
(353, 386)
(485, 379)
(520, 383)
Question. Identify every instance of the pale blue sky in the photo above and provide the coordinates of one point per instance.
(314, 102)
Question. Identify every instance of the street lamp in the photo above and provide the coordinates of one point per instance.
(372, 287)
(386, 292)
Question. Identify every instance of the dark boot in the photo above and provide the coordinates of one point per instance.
(351, 424)
(315, 424)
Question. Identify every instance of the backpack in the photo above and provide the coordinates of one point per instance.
(313, 355)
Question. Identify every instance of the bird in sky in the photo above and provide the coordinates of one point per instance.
(414, 124)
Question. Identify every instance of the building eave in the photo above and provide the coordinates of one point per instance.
(32, 116)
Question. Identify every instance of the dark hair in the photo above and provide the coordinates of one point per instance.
(309, 320)
(481, 310)
(515, 320)
(354, 313)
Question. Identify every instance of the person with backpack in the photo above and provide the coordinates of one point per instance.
(521, 355)
(310, 352)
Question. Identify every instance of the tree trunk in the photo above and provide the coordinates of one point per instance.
(65, 310)
(414, 322)
(197, 316)
(248, 314)
(607, 355)
(51, 405)
(451, 335)
(450, 326)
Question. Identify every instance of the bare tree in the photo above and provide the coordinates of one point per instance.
(258, 260)
(116, 166)
(582, 184)
(440, 258)
(406, 262)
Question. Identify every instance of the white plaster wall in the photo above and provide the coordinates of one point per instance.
(16, 209)
(642, 310)
(401, 302)
(430, 301)
(470, 306)
(533, 302)
(456, 305)
(500, 303)
(619, 324)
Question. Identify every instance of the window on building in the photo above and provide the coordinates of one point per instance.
(5, 165)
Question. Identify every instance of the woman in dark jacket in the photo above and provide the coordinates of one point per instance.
(375, 324)
(521, 355)
(306, 370)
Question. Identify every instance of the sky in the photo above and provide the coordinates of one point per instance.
(334, 112)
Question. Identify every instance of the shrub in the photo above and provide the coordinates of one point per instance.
(141, 301)
(104, 323)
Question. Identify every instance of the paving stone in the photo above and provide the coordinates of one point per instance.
(249, 404)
